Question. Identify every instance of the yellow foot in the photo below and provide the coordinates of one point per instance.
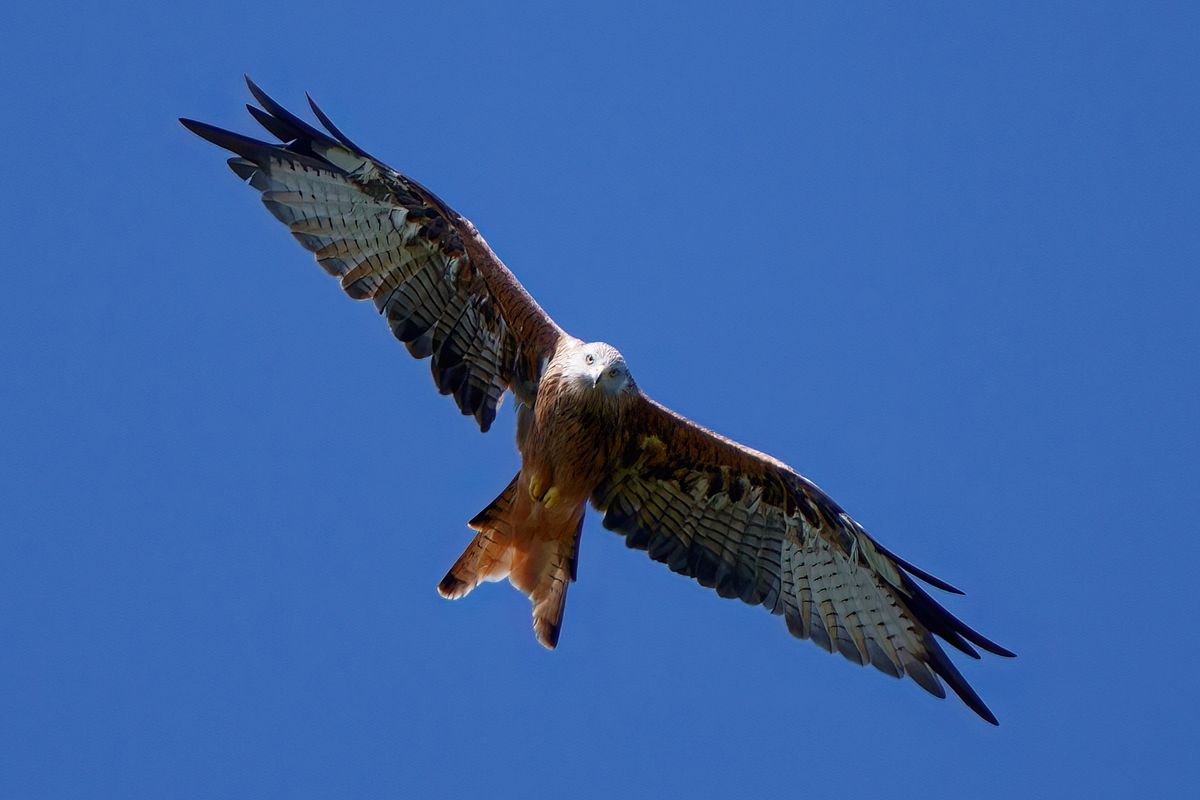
(535, 489)
(546, 495)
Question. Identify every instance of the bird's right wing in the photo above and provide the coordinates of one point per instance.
(443, 291)
(751, 527)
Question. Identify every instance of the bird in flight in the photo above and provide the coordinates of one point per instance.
(734, 519)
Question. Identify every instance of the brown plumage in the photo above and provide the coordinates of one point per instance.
(736, 520)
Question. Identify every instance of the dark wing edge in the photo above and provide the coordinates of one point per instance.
(443, 291)
(750, 527)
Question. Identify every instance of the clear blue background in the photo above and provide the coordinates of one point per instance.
(942, 259)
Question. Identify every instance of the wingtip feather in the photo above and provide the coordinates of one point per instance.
(258, 93)
(944, 667)
(285, 120)
(245, 146)
(333, 129)
(916, 571)
(273, 125)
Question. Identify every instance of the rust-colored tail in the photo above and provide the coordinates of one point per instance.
(489, 555)
(543, 570)
(541, 563)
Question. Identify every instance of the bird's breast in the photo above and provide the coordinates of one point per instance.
(569, 437)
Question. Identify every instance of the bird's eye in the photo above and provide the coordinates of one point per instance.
(590, 359)
(612, 373)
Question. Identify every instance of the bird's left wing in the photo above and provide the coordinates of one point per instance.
(442, 290)
(749, 526)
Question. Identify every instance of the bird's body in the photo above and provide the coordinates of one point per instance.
(566, 440)
(531, 533)
(734, 519)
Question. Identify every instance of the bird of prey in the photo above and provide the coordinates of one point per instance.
(734, 519)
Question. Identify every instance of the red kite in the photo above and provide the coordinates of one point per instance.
(736, 520)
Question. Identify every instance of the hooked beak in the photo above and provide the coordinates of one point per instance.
(596, 376)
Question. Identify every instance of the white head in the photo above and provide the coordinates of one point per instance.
(600, 367)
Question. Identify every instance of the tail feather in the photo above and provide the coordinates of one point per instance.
(489, 556)
(544, 574)
(542, 565)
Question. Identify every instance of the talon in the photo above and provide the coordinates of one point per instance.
(550, 498)
(536, 492)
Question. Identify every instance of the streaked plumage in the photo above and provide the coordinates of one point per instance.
(734, 519)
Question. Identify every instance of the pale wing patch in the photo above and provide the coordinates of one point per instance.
(748, 549)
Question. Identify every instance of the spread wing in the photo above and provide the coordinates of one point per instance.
(444, 292)
(749, 526)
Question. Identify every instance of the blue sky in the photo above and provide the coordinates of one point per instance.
(943, 260)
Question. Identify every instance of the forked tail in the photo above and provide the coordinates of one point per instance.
(539, 562)
(489, 555)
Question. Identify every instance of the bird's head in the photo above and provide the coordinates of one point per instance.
(600, 367)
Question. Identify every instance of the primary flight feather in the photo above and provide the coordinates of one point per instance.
(736, 520)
